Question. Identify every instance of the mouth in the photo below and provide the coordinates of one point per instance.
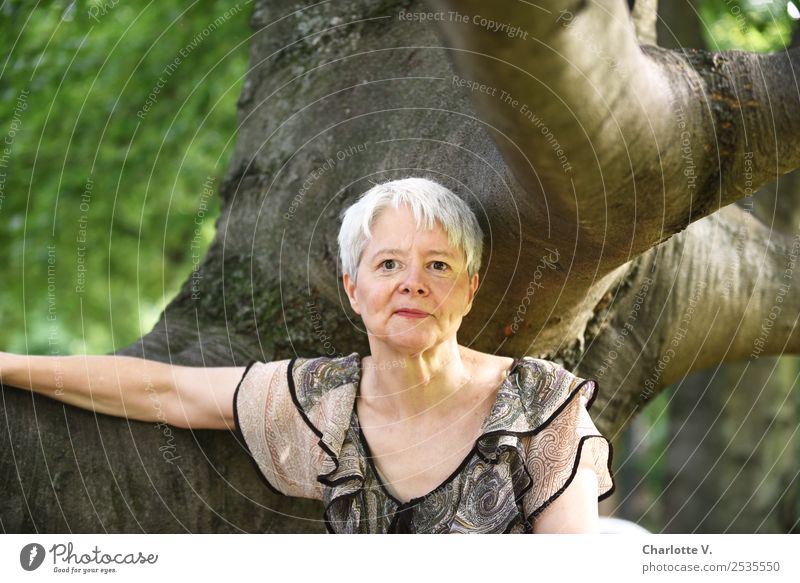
(412, 314)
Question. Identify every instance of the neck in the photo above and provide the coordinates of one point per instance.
(404, 385)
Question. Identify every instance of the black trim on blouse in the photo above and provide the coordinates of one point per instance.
(403, 519)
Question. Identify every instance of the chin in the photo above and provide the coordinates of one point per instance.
(410, 341)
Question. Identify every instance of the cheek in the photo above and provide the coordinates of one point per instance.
(375, 301)
(381, 294)
(456, 294)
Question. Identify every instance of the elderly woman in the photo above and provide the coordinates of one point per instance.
(421, 435)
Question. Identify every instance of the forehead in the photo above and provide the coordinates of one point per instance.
(396, 228)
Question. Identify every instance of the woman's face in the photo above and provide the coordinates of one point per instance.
(404, 269)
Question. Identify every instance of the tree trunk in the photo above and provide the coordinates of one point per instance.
(594, 264)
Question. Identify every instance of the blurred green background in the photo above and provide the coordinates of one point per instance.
(102, 188)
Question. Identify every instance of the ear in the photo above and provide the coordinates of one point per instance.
(473, 288)
(350, 289)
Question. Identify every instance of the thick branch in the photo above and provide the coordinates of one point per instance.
(638, 144)
(586, 112)
(725, 289)
(748, 292)
(753, 127)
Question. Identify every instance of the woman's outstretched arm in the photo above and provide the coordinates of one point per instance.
(126, 386)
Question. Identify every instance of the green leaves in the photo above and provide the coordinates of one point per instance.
(751, 25)
(87, 68)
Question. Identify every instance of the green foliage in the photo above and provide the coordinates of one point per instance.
(750, 25)
(651, 443)
(117, 123)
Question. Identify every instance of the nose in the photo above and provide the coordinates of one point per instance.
(414, 282)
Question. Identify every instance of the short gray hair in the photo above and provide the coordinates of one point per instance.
(429, 201)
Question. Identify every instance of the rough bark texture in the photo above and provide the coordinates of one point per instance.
(618, 257)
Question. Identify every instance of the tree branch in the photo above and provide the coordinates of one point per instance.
(753, 100)
(637, 143)
(644, 20)
(725, 289)
(578, 109)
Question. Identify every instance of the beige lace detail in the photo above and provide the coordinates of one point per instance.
(553, 454)
(280, 441)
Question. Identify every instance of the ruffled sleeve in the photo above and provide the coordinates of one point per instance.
(274, 432)
(565, 439)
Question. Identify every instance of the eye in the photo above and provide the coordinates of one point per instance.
(388, 263)
(440, 266)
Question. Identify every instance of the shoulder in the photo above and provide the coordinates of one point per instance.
(488, 368)
(535, 393)
(550, 384)
(312, 378)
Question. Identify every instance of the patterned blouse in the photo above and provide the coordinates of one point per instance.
(297, 419)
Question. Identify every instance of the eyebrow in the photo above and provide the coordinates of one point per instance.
(442, 252)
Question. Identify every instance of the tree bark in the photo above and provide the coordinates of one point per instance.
(342, 95)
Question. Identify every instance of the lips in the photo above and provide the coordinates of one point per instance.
(409, 313)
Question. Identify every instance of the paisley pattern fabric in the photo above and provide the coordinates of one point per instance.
(298, 421)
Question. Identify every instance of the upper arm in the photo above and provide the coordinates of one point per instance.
(202, 397)
(277, 432)
(569, 462)
(576, 509)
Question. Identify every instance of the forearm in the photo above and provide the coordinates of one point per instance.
(123, 386)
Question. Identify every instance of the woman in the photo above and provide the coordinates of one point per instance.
(422, 435)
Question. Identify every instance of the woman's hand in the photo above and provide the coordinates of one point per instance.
(125, 386)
